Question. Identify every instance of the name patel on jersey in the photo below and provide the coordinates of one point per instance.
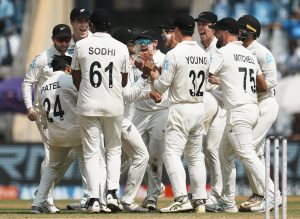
(196, 60)
(102, 51)
(242, 58)
(51, 86)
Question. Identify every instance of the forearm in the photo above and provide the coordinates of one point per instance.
(27, 93)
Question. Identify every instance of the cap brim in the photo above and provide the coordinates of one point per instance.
(216, 27)
(203, 20)
(62, 35)
(81, 17)
(143, 37)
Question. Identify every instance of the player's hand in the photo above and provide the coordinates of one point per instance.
(31, 114)
(139, 64)
(154, 74)
(155, 96)
(214, 80)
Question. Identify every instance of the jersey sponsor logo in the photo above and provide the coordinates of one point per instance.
(102, 51)
(33, 63)
(196, 60)
(242, 58)
(166, 64)
(268, 58)
(50, 86)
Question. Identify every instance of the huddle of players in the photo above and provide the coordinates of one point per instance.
(184, 108)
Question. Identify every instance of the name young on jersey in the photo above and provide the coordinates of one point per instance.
(196, 60)
(51, 86)
(102, 51)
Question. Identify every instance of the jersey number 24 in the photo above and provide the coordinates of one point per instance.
(57, 111)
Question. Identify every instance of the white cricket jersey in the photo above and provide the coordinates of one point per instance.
(73, 43)
(39, 71)
(237, 69)
(58, 97)
(133, 92)
(150, 105)
(184, 73)
(101, 60)
(267, 65)
(214, 89)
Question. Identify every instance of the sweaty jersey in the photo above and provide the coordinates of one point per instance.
(39, 71)
(58, 97)
(237, 69)
(101, 60)
(150, 105)
(267, 65)
(184, 73)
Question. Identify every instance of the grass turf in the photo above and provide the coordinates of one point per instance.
(21, 209)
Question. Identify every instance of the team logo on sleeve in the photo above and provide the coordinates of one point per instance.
(166, 64)
(33, 63)
(269, 58)
(70, 51)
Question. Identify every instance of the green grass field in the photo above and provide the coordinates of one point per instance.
(21, 209)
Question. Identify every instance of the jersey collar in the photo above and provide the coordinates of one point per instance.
(101, 34)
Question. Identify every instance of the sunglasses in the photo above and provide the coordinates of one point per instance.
(63, 39)
(144, 41)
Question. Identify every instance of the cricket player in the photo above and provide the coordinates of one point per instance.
(215, 115)
(100, 67)
(168, 35)
(39, 71)
(150, 120)
(79, 19)
(267, 104)
(132, 142)
(184, 74)
(237, 71)
(58, 97)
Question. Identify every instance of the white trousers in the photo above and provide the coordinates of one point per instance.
(151, 126)
(215, 120)
(237, 141)
(136, 150)
(102, 163)
(268, 110)
(184, 137)
(67, 161)
(52, 171)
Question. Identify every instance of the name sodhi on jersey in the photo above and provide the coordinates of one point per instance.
(102, 51)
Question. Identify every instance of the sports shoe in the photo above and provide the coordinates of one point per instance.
(44, 207)
(93, 205)
(181, 204)
(133, 207)
(261, 207)
(104, 209)
(211, 202)
(151, 205)
(198, 205)
(79, 205)
(222, 207)
(113, 202)
(253, 200)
